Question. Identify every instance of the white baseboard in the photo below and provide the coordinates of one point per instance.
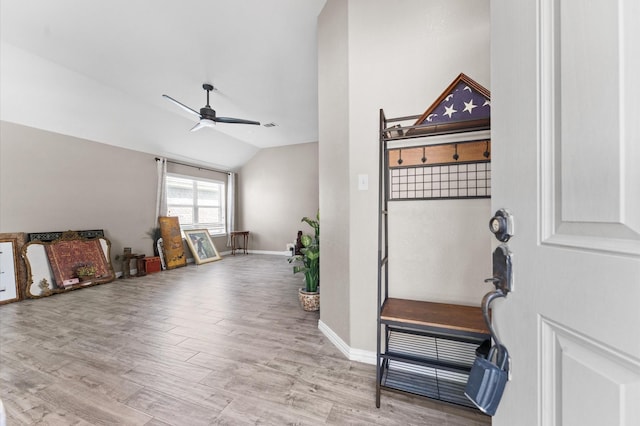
(279, 253)
(359, 355)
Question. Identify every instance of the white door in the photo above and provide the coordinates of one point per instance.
(565, 90)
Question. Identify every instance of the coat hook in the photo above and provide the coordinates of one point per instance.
(424, 157)
(456, 156)
(486, 152)
(400, 159)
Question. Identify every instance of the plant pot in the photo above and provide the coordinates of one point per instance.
(310, 301)
(85, 278)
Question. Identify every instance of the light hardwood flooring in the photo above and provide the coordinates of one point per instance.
(220, 343)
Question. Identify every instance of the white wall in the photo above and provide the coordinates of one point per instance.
(440, 250)
(401, 55)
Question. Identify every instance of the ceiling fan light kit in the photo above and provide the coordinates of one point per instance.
(204, 122)
(207, 115)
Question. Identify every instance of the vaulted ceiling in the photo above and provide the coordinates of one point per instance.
(97, 70)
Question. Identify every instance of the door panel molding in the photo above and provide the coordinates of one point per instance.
(593, 154)
(583, 381)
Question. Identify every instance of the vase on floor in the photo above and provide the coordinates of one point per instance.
(310, 301)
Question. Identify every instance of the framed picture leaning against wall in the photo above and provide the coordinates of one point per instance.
(201, 245)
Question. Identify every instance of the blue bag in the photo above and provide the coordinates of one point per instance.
(487, 380)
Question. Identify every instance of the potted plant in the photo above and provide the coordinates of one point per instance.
(154, 234)
(310, 257)
(86, 271)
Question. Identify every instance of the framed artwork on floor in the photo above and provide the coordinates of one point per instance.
(201, 245)
(9, 272)
(173, 249)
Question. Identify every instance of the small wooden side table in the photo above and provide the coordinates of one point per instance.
(234, 242)
(126, 265)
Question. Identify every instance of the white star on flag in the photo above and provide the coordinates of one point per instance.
(469, 106)
(448, 110)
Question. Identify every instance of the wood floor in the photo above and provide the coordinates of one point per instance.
(221, 343)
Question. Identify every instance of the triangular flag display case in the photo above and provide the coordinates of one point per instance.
(446, 152)
(463, 106)
(427, 348)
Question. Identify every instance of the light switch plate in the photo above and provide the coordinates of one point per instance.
(363, 182)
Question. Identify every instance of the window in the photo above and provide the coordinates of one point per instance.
(198, 203)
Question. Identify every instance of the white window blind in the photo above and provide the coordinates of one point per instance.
(198, 203)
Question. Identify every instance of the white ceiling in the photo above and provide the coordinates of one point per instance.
(97, 70)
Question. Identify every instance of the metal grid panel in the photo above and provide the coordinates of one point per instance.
(471, 180)
(459, 353)
(430, 382)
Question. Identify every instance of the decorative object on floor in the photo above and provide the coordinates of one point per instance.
(51, 264)
(310, 258)
(298, 243)
(160, 246)
(19, 239)
(310, 301)
(9, 271)
(86, 271)
(152, 264)
(154, 234)
(201, 246)
(173, 248)
(126, 259)
(234, 241)
(70, 251)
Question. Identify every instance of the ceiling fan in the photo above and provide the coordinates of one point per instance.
(207, 114)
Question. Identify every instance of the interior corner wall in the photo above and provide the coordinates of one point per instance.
(53, 182)
(275, 190)
(399, 56)
(333, 118)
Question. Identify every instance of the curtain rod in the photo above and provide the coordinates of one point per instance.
(197, 167)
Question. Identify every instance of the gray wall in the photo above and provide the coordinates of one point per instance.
(333, 107)
(277, 188)
(52, 182)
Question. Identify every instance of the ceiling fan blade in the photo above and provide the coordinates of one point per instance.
(205, 122)
(236, 120)
(183, 106)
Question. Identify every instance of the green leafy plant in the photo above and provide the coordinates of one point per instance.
(85, 270)
(310, 256)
